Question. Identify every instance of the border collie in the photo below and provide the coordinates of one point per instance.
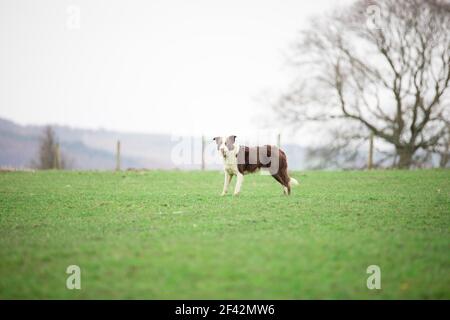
(240, 160)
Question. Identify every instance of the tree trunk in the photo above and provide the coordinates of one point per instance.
(445, 158)
(445, 155)
(405, 156)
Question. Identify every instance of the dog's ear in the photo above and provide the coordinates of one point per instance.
(217, 139)
(230, 142)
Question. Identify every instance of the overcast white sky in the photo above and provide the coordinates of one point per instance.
(173, 66)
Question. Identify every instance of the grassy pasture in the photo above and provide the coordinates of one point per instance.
(161, 235)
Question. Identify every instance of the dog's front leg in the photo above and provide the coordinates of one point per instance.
(240, 178)
(226, 183)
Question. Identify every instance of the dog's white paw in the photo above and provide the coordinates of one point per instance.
(222, 194)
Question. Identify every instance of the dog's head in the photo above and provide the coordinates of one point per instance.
(226, 145)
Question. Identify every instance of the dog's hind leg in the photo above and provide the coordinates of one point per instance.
(287, 185)
(287, 190)
(280, 179)
(285, 178)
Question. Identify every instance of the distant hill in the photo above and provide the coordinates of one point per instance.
(95, 149)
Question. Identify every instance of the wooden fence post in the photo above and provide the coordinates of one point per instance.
(279, 140)
(57, 157)
(118, 156)
(370, 158)
(203, 152)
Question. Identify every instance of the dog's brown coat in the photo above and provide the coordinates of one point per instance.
(254, 158)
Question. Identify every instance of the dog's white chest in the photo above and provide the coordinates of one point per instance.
(230, 165)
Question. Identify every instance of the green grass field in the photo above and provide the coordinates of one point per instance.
(162, 235)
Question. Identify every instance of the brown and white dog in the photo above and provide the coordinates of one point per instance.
(240, 160)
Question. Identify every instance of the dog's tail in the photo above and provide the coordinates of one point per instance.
(293, 182)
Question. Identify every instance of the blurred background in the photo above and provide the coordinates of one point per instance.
(133, 84)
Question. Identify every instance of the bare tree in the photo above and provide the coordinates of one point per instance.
(49, 153)
(377, 66)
